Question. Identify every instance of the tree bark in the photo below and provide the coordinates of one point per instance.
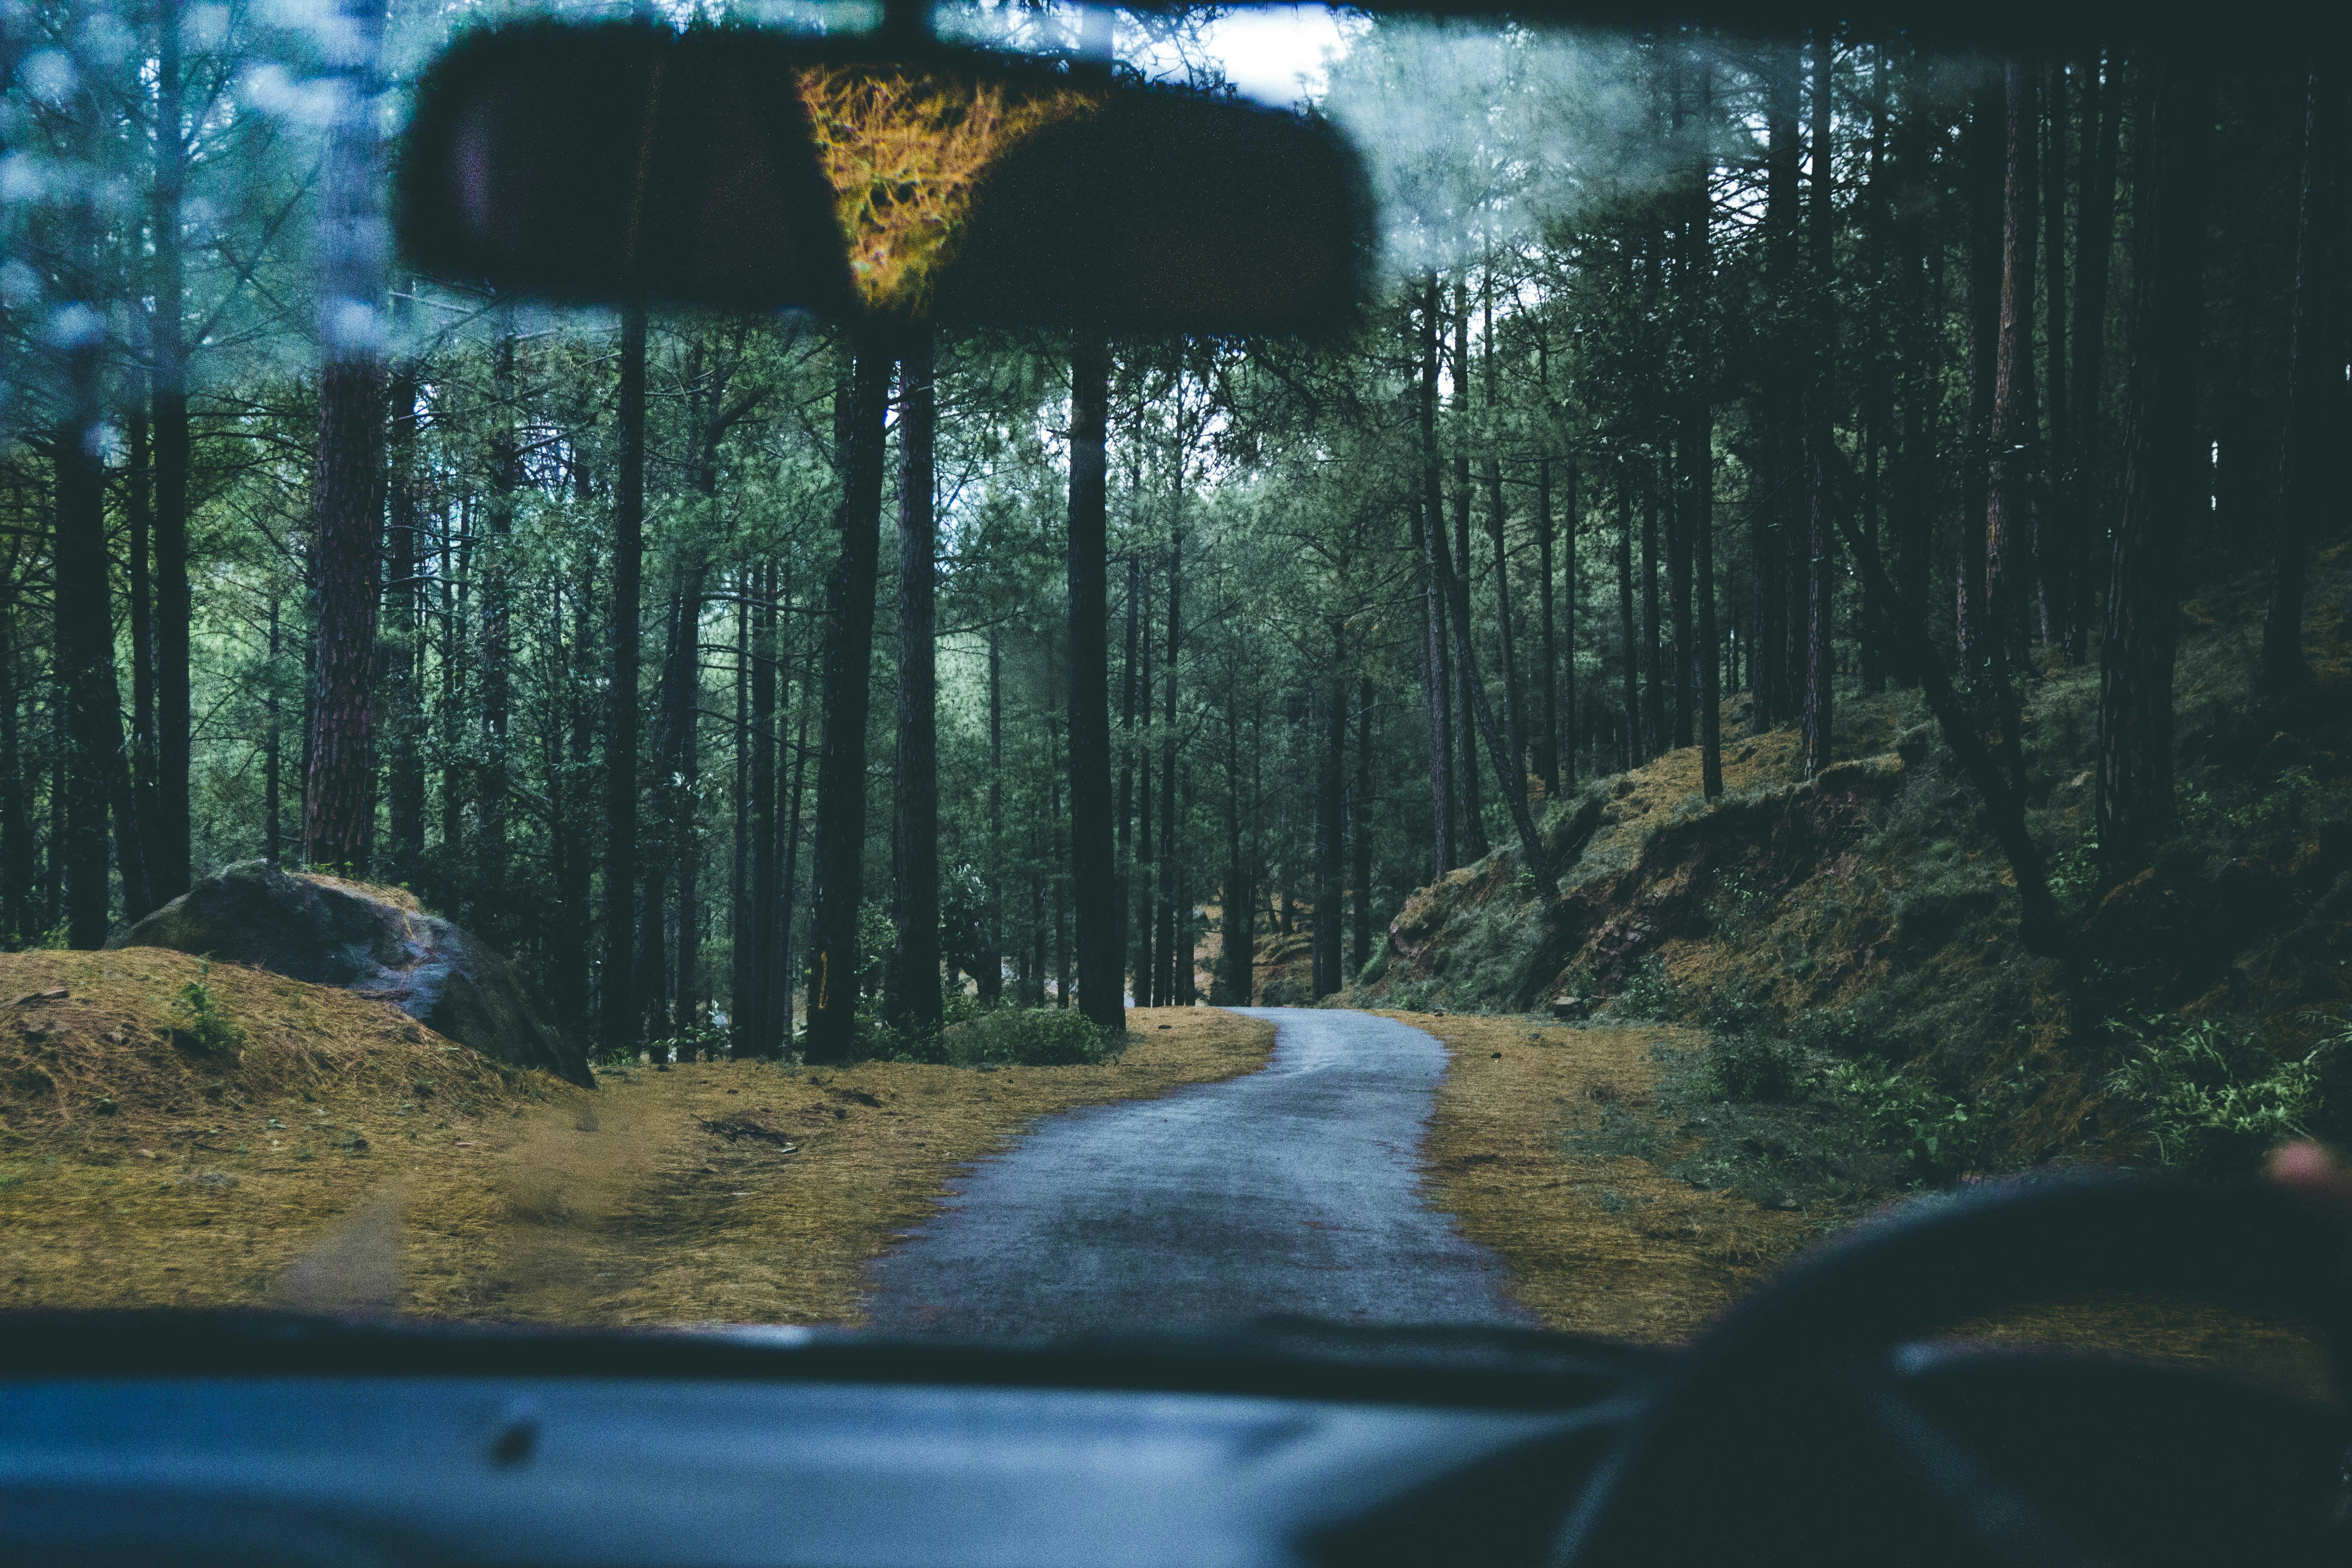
(168, 408)
(1514, 724)
(2162, 471)
(1698, 435)
(1329, 915)
(2053, 552)
(1982, 164)
(1654, 734)
(1547, 683)
(1820, 659)
(1632, 634)
(88, 696)
(1428, 523)
(1361, 820)
(620, 1007)
(1094, 868)
(2015, 431)
(2094, 224)
(140, 515)
(840, 859)
(404, 649)
(339, 792)
(1171, 863)
(1473, 814)
(916, 1003)
(2314, 411)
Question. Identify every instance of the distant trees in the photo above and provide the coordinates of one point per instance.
(1709, 385)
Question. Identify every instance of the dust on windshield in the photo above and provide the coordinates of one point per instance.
(1790, 660)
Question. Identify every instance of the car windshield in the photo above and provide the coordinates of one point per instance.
(1788, 657)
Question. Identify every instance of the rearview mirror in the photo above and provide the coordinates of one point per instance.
(726, 166)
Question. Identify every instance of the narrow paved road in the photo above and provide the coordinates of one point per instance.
(1292, 1190)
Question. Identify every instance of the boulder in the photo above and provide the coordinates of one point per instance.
(376, 941)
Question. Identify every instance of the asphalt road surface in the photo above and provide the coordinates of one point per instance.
(1294, 1190)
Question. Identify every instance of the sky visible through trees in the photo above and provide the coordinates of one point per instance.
(1698, 372)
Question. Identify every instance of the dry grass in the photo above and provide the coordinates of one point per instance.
(1596, 1244)
(1610, 1244)
(348, 1156)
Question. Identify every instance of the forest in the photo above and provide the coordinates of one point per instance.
(1707, 383)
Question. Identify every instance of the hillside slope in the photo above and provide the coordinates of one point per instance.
(1851, 940)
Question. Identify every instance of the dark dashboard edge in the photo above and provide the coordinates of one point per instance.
(1508, 1370)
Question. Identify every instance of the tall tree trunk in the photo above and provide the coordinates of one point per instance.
(1548, 755)
(1094, 868)
(1330, 917)
(404, 651)
(338, 786)
(2162, 469)
(992, 975)
(915, 1003)
(1234, 949)
(2088, 489)
(2314, 400)
(1147, 923)
(1428, 522)
(788, 880)
(741, 949)
(621, 1008)
(273, 840)
(1877, 371)
(834, 963)
(1820, 659)
(2015, 433)
(496, 570)
(1054, 854)
(1912, 484)
(1654, 734)
(1515, 726)
(1360, 821)
(1570, 589)
(168, 406)
(1983, 163)
(758, 1027)
(1171, 863)
(1697, 439)
(1127, 677)
(1772, 542)
(137, 499)
(87, 694)
(16, 773)
(1632, 632)
(1474, 845)
(2053, 554)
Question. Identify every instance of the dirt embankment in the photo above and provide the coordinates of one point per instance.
(321, 1149)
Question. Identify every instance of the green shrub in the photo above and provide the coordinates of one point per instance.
(1908, 1116)
(2212, 1098)
(1647, 992)
(1375, 967)
(200, 1027)
(1027, 1037)
(1755, 1066)
(1414, 995)
(1283, 992)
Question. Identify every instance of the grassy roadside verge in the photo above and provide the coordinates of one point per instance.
(1553, 1153)
(315, 1147)
(1532, 1147)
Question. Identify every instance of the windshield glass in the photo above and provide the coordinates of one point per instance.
(1785, 661)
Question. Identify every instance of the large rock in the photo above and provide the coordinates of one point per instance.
(375, 941)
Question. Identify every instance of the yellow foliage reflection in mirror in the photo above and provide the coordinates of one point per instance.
(906, 153)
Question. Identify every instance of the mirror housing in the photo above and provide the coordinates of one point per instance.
(738, 168)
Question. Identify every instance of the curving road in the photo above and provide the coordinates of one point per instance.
(1292, 1190)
